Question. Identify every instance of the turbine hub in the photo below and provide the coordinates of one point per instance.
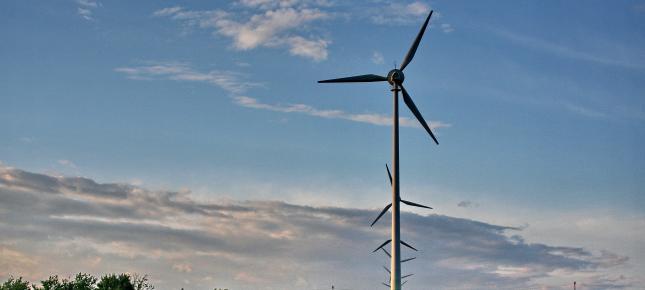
(395, 76)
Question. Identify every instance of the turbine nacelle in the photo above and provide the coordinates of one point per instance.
(395, 76)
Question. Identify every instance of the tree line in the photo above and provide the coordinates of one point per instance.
(82, 281)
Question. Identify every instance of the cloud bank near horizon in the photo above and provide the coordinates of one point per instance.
(62, 225)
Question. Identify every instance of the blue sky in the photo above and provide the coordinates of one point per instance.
(539, 107)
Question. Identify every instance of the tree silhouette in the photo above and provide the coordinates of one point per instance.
(15, 284)
(114, 282)
(83, 281)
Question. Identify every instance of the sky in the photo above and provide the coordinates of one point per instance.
(189, 140)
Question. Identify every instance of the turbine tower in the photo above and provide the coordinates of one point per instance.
(396, 77)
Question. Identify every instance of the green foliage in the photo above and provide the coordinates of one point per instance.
(114, 282)
(83, 281)
(141, 282)
(52, 283)
(15, 284)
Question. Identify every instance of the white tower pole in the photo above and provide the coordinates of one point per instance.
(395, 265)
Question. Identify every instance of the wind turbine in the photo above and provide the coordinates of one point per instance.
(395, 77)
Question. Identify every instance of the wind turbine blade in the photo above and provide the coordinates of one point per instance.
(408, 259)
(408, 101)
(381, 214)
(407, 245)
(388, 173)
(415, 44)
(357, 79)
(382, 245)
(415, 204)
(386, 269)
(386, 252)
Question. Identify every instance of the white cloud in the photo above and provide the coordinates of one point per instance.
(230, 81)
(67, 163)
(447, 28)
(175, 238)
(272, 4)
(315, 49)
(233, 83)
(377, 58)
(167, 11)
(417, 8)
(182, 267)
(268, 4)
(277, 27)
(398, 13)
(86, 8)
(369, 118)
(88, 3)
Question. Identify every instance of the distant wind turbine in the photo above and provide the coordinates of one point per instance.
(396, 77)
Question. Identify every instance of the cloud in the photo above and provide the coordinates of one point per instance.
(272, 4)
(177, 71)
(640, 7)
(183, 267)
(377, 58)
(233, 83)
(315, 49)
(369, 118)
(276, 24)
(399, 14)
(467, 203)
(12, 261)
(67, 163)
(568, 52)
(447, 28)
(86, 8)
(584, 111)
(167, 11)
(174, 237)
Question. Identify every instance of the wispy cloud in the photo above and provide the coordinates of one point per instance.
(410, 13)
(584, 111)
(232, 82)
(272, 4)
(640, 7)
(467, 203)
(275, 24)
(77, 222)
(168, 11)
(86, 8)
(397, 13)
(561, 50)
(235, 84)
(447, 28)
(377, 58)
(67, 163)
(369, 118)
